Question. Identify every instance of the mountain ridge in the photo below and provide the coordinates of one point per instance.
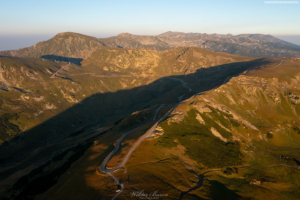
(254, 46)
(74, 45)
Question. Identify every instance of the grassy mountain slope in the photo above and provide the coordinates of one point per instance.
(239, 141)
(62, 110)
(181, 60)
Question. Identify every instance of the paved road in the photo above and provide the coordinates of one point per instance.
(103, 165)
(147, 134)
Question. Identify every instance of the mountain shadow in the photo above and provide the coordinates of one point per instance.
(220, 191)
(68, 131)
(297, 161)
(75, 61)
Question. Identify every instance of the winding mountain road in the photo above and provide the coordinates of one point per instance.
(149, 132)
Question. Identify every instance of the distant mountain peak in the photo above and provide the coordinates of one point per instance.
(72, 34)
(125, 35)
(65, 44)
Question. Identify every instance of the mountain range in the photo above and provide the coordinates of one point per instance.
(181, 115)
(65, 46)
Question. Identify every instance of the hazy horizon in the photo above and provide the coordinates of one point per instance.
(25, 23)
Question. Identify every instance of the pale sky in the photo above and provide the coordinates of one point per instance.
(23, 23)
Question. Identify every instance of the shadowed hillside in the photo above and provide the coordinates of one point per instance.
(52, 146)
(34, 90)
